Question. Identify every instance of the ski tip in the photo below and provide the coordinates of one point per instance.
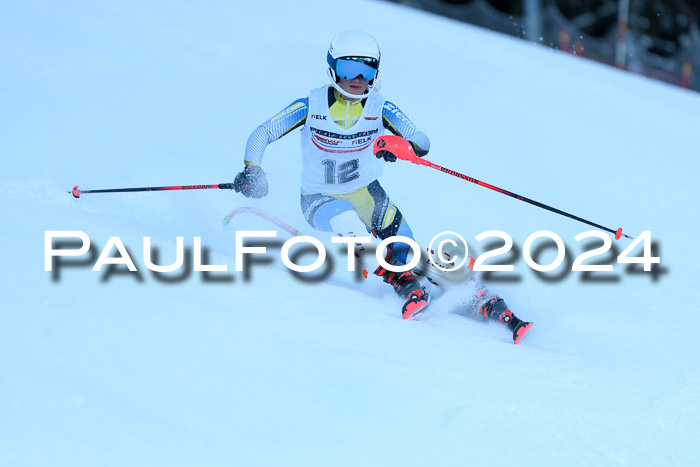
(521, 331)
(413, 307)
(416, 303)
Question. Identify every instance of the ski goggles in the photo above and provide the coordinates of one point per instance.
(351, 68)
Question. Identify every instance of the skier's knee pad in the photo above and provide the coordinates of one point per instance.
(319, 209)
(349, 224)
(444, 266)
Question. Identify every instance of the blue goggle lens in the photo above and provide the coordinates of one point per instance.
(351, 69)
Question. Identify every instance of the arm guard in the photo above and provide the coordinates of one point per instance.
(292, 117)
(398, 123)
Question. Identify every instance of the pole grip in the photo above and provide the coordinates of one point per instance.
(399, 147)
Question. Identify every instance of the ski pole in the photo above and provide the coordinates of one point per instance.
(221, 186)
(262, 214)
(403, 150)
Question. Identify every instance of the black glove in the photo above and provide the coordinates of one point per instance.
(251, 183)
(419, 152)
(387, 155)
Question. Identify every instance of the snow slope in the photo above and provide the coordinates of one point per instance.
(128, 369)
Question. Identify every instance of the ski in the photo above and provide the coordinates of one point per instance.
(416, 303)
(519, 331)
(483, 306)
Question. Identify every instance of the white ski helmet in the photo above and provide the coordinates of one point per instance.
(353, 53)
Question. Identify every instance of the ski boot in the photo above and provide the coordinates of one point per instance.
(492, 307)
(406, 286)
(496, 308)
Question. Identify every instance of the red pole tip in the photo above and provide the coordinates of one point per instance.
(76, 191)
(618, 234)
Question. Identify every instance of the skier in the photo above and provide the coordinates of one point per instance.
(339, 188)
